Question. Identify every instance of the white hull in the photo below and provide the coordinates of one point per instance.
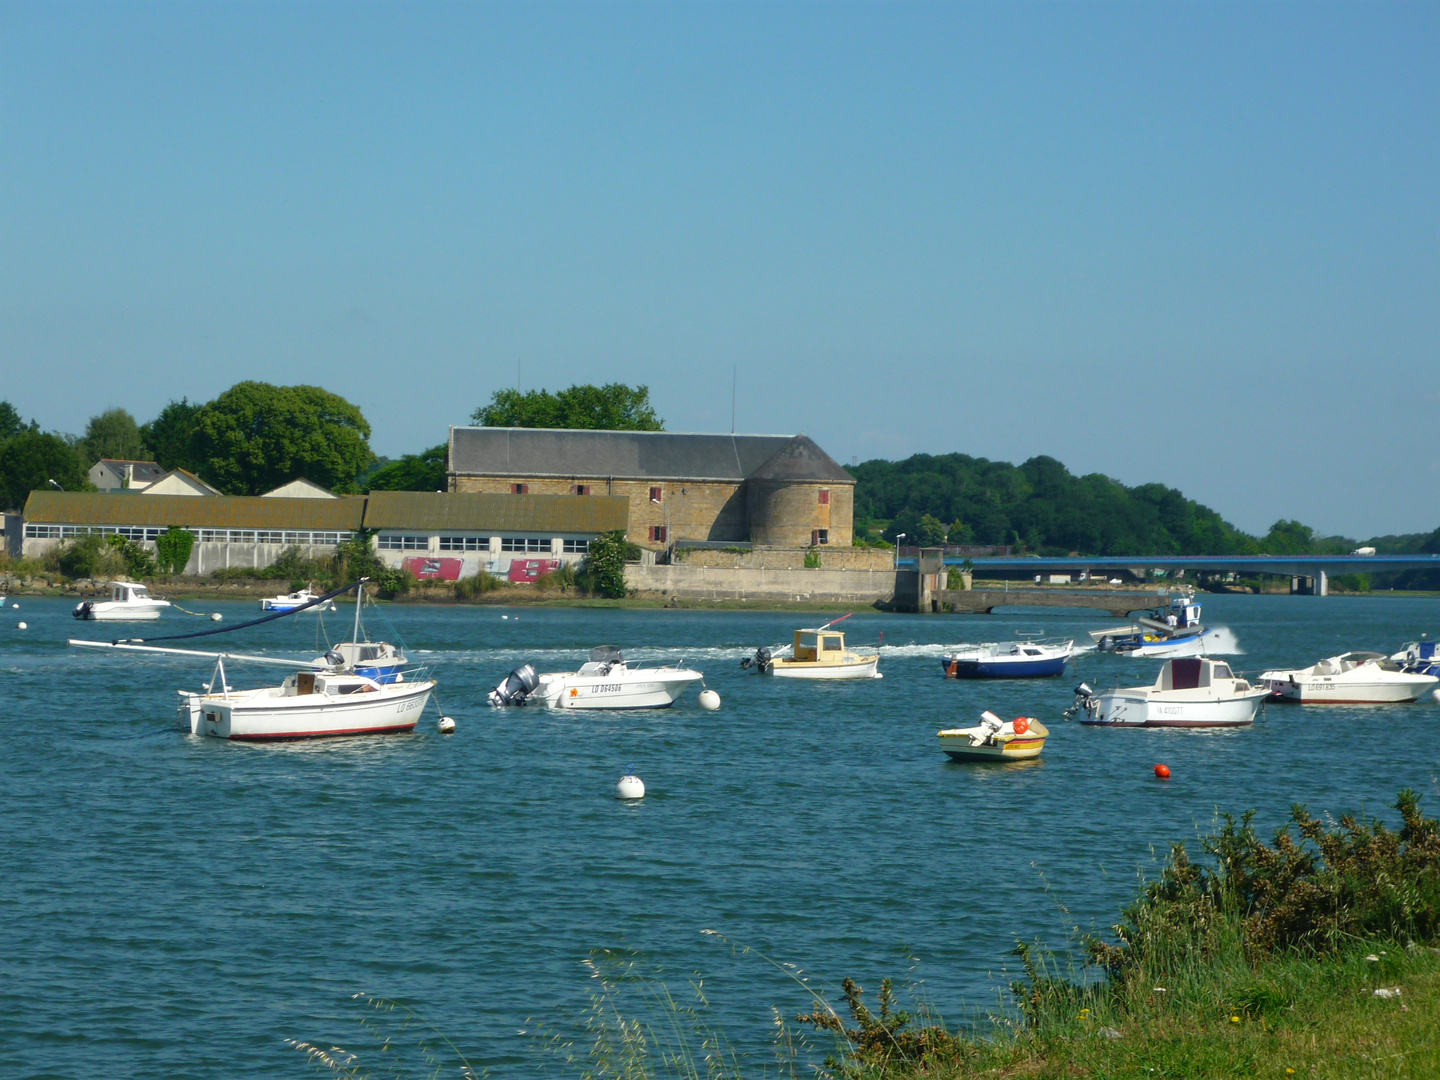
(1176, 708)
(1196, 645)
(267, 714)
(635, 688)
(290, 605)
(1321, 691)
(111, 612)
(866, 669)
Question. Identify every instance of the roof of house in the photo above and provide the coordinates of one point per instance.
(802, 460)
(551, 514)
(142, 472)
(214, 512)
(632, 455)
(299, 488)
(182, 478)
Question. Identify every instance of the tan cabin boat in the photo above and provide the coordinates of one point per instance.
(818, 653)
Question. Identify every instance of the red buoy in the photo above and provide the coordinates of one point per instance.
(1162, 771)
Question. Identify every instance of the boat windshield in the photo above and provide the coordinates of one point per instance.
(832, 643)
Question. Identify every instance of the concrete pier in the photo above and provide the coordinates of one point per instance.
(1118, 602)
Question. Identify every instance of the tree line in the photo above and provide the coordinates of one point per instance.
(255, 436)
(1042, 507)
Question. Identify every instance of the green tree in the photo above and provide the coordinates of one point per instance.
(1289, 538)
(29, 460)
(424, 471)
(112, 434)
(931, 532)
(612, 407)
(255, 437)
(10, 422)
(603, 570)
(167, 438)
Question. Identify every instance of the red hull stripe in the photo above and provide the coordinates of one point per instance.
(321, 734)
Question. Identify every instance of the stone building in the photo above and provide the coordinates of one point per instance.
(769, 490)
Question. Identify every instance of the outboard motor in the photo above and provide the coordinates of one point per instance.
(1085, 701)
(1106, 644)
(760, 661)
(515, 688)
(82, 610)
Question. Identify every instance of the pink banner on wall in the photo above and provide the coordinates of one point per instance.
(434, 569)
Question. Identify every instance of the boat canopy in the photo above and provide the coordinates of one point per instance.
(1192, 673)
(606, 654)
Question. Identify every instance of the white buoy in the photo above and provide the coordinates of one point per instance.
(215, 616)
(504, 617)
(630, 787)
(15, 605)
(21, 626)
(445, 725)
(708, 699)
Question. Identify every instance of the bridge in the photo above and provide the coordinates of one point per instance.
(1313, 570)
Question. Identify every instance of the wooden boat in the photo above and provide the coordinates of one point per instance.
(817, 654)
(994, 739)
(1189, 692)
(1353, 678)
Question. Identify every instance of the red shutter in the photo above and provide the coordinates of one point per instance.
(814, 537)
(824, 496)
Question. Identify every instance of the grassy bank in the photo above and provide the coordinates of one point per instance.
(1311, 956)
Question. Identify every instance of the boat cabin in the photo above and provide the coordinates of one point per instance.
(305, 683)
(1338, 665)
(818, 646)
(125, 592)
(1193, 673)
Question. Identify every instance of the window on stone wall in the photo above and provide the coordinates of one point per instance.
(824, 496)
(657, 532)
(819, 536)
(655, 494)
(576, 547)
(519, 489)
(524, 543)
(464, 543)
(580, 489)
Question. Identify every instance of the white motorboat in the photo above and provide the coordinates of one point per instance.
(817, 654)
(1421, 657)
(294, 601)
(1008, 660)
(378, 660)
(605, 681)
(128, 603)
(1190, 692)
(1353, 678)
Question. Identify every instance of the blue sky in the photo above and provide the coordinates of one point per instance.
(1194, 244)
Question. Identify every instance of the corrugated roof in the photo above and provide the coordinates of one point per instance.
(207, 512)
(622, 455)
(426, 511)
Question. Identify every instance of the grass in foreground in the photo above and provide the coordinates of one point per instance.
(1265, 961)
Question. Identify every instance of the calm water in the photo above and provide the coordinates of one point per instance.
(173, 906)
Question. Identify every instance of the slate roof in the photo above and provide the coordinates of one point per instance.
(636, 455)
(187, 511)
(426, 511)
(144, 471)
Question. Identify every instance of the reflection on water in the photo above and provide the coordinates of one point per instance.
(175, 906)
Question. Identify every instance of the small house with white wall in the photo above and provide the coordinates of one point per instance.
(119, 474)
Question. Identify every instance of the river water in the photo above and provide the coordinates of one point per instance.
(177, 907)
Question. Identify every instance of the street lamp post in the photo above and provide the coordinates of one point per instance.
(898, 538)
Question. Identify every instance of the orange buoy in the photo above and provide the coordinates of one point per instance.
(1022, 725)
(1162, 771)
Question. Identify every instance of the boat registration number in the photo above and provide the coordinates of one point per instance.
(408, 706)
(1170, 710)
(606, 688)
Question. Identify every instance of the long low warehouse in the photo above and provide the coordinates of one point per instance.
(436, 534)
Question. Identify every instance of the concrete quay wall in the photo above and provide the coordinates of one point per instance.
(788, 558)
(750, 583)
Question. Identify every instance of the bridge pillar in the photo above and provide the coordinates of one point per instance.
(1294, 585)
(1322, 584)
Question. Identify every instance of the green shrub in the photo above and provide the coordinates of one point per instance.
(469, 588)
(139, 563)
(88, 557)
(173, 548)
(563, 579)
(603, 570)
(812, 559)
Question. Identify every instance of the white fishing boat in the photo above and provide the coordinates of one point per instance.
(817, 654)
(605, 681)
(1178, 632)
(378, 660)
(1190, 692)
(994, 739)
(295, 601)
(1353, 678)
(128, 602)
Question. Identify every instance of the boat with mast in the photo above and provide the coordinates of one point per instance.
(321, 698)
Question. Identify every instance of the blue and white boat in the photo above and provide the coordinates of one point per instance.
(1176, 633)
(1008, 660)
(296, 600)
(378, 660)
(1419, 657)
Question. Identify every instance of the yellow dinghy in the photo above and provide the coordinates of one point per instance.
(994, 739)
